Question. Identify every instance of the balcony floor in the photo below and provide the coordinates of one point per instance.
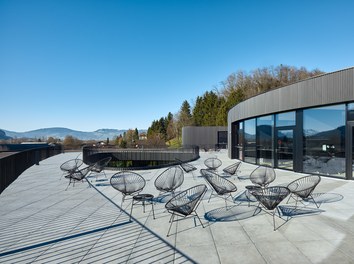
(40, 222)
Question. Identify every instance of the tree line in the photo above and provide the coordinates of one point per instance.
(211, 108)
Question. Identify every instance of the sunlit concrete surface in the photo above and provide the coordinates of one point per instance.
(40, 222)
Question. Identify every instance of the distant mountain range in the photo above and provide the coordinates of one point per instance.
(310, 132)
(61, 133)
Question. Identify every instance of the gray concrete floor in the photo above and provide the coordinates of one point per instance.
(41, 222)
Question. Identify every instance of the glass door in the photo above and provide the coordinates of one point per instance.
(350, 151)
(284, 148)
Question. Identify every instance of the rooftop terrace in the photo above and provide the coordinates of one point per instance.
(40, 222)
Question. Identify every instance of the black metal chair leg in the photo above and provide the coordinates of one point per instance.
(153, 211)
(168, 233)
(199, 220)
(131, 211)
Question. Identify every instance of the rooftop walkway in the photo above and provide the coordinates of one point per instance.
(40, 222)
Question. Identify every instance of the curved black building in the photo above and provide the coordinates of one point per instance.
(307, 126)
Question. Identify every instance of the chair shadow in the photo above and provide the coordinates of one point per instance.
(101, 183)
(226, 175)
(243, 177)
(321, 198)
(291, 211)
(164, 198)
(245, 197)
(102, 180)
(232, 213)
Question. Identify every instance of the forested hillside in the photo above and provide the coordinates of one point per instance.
(211, 108)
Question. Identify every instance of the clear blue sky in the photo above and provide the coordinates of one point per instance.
(87, 64)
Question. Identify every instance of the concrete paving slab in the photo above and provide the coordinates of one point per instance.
(323, 252)
(40, 222)
(240, 253)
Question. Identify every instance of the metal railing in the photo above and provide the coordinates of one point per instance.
(12, 164)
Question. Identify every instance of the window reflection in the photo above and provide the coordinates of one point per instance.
(222, 139)
(351, 112)
(285, 119)
(285, 148)
(265, 140)
(324, 137)
(240, 141)
(250, 140)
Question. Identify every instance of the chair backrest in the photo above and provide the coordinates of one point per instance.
(262, 176)
(270, 197)
(219, 184)
(185, 166)
(232, 168)
(71, 165)
(101, 164)
(127, 182)
(212, 163)
(79, 175)
(304, 186)
(170, 179)
(186, 201)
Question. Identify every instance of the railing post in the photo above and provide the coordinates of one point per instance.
(36, 157)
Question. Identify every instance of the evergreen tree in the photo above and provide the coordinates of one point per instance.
(163, 127)
(235, 97)
(136, 134)
(206, 109)
(123, 143)
(198, 112)
(185, 116)
(169, 117)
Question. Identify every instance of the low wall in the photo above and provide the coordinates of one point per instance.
(12, 164)
(93, 154)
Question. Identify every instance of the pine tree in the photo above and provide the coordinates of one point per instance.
(136, 134)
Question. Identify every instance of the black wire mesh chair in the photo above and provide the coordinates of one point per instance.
(212, 163)
(185, 204)
(303, 187)
(262, 176)
(78, 175)
(221, 186)
(170, 179)
(270, 198)
(70, 166)
(186, 167)
(100, 165)
(232, 169)
(128, 183)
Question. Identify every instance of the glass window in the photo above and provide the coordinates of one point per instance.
(352, 149)
(222, 139)
(351, 112)
(265, 140)
(250, 140)
(324, 137)
(285, 148)
(285, 119)
(240, 141)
